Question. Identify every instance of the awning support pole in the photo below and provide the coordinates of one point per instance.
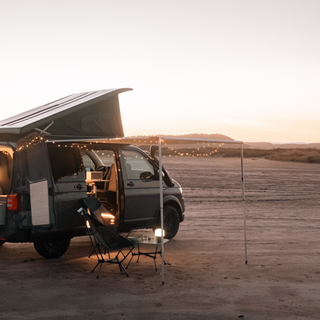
(244, 207)
(161, 209)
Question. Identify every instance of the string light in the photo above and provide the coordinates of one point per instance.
(205, 150)
(30, 140)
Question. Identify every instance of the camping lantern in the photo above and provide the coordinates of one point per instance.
(157, 232)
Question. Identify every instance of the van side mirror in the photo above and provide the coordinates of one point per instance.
(146, 175)
(153, 150)
(156, 175)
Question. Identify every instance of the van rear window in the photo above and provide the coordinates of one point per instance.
(65, 161)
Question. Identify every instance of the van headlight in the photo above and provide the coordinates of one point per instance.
(180, 189)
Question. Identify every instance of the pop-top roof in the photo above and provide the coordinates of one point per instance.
(93, 114)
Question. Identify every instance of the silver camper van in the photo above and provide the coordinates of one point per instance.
(53, 156)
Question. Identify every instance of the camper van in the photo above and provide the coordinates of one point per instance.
(54, 156)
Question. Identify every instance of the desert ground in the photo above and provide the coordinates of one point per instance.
(206, 276)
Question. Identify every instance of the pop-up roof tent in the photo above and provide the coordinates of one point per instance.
(94, 116)
(86, 115)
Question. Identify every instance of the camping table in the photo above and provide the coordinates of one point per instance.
(147, 241)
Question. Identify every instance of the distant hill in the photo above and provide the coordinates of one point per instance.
(216, 136)
(310, 155)
(213, 136)
(269, 145)
(296, 152)
(251, 145)
(260, 145)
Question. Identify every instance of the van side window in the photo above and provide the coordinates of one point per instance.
(136, 164)
(65, 161)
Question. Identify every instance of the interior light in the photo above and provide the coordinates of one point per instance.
(107, 215)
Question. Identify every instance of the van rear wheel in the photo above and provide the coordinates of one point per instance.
(2, 242)
(53, 248)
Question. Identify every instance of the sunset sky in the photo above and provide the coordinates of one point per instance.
(246, 69)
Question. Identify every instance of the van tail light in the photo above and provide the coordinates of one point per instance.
(13, 202)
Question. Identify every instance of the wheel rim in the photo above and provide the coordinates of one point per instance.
(169, 223)
(55, 244)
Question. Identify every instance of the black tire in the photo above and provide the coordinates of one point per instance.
(52, 249)
(2, 242)
(171, 221)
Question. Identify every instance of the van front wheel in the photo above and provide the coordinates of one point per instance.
(171, 221)
(52, 249)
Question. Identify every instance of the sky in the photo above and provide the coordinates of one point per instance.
(249, 69)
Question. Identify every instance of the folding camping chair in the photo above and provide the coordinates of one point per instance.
(101, 235)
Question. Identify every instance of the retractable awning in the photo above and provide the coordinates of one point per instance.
(161, 141)
(145, 140)
(93, 114)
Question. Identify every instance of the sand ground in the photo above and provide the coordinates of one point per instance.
(206, 276)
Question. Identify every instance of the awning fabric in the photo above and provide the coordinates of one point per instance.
(145, 140)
